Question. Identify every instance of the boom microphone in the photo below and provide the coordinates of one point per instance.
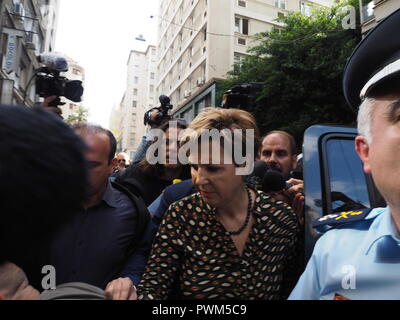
(54, 61)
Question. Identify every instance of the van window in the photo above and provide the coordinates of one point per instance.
(347, 181)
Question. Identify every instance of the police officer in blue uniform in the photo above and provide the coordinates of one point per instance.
(359, 256)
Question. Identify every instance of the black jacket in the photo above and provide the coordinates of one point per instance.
(147, 186)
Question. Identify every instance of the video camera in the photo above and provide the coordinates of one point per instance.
(50, 83)
(241, 96)
(163, 109)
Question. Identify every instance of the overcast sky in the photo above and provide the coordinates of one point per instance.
(99, 35)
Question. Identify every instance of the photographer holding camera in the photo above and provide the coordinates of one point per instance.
(154, 118)
(149, 180)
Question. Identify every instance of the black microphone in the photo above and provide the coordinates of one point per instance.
(260, 169)
(274, 181)
(256, 177)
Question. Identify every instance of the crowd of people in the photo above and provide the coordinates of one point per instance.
(192, 226)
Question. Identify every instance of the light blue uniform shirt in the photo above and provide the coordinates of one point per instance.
(357, 260)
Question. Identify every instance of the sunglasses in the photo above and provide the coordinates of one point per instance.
(120, 160)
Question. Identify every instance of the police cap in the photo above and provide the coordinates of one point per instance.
(376, 58)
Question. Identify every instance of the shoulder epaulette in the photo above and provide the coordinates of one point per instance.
(330, 221)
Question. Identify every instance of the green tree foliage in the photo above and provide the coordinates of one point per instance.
(301, 67)
(79, 115)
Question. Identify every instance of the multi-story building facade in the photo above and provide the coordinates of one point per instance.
(28, 28)
(75, 72)
(200, 40)
(373, 11)
(138, 98)
(115, 124)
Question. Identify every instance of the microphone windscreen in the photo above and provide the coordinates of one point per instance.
(260, 168)
(273, 181)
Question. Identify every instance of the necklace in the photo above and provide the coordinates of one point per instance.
(246, 221)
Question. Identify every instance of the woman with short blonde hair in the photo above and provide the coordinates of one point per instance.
(228, 241)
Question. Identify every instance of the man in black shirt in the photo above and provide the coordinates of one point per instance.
(95, 247)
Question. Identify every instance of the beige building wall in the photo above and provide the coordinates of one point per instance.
(115, 124)
(28, 28)
(138, 98)
(199, 41)
(373, 11)
(49, 11)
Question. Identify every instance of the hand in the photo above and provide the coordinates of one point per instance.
(297, 199)
(153, 116)
(47, 101)
(121, 289)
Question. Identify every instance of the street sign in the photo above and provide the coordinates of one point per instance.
(11, 52)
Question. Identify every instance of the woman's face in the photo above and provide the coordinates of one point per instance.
(217, 183)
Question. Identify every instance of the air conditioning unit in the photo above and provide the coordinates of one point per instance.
(186, 94)
(200, 81)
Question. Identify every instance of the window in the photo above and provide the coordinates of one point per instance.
(238, 58)
(241, 25)
(136, 80)
(188, 114)
(199, 106)
(345, 172)
(242, 41)
(134, 103)
(135, 91)
(305, 9)
(280, 4)
(242, 3)
(367, 9)
(151, 89)
(152, 75)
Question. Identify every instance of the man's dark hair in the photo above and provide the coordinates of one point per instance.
(88, 128)
(43, 178)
